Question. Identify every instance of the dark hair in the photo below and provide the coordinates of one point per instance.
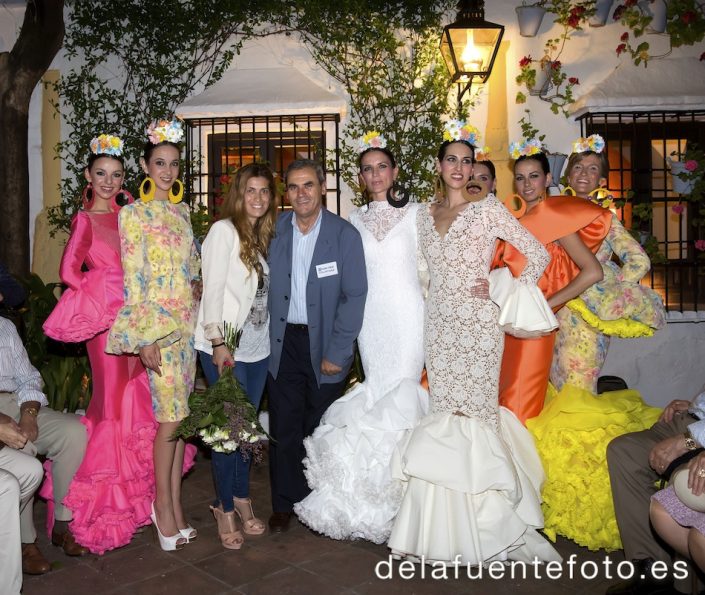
(489, 165)
(384, 150)
(446, 143)
(93, 157)
(540, 157)
(578, 157)
(149, 149)
(306, 163)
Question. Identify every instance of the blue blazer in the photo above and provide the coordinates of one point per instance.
(336, 303)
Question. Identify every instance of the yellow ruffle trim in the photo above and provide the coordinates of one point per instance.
(571, 435)
(621, 327)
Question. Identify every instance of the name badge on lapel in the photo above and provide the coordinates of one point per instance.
(327, 269)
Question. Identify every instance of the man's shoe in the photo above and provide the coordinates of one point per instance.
(643, 582)
(279, 521)
(67, 542)
(33, 561)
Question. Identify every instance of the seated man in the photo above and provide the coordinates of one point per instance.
(20, 476)
(58, 436)
(636, 461)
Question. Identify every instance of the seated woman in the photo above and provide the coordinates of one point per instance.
(679, 525)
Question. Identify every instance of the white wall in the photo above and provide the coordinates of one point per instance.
(664, 367)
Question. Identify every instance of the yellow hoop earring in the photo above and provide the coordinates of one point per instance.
(516, 205)
(176, 197)
(568, 191)
(147, 189)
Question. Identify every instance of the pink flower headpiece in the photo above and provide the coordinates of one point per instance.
(160, 131)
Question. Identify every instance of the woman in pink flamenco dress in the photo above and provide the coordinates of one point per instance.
(111, 493)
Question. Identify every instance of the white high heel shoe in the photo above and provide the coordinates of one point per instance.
(168, 543)
(189, 533)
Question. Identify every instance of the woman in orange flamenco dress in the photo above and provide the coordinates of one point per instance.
(571, 232)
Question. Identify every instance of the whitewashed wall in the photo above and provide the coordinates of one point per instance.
(664, 367)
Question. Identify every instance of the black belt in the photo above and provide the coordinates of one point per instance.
(297, 327)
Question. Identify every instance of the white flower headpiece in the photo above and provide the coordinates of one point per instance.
(371, 140)
(160, 131)
(107, 144)
(594, 143)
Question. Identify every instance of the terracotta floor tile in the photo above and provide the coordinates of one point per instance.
(291, 581)
(184, 581)
(239, 567)
(345, 567)
(78, 579)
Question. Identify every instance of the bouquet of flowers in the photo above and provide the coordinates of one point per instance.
(222, 416)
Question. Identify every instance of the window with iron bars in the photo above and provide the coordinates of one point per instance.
(639, 145)
(217, 147)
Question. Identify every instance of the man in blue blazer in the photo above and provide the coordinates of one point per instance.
(317, 293)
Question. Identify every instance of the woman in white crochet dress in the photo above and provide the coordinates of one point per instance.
(472, 474)
(348, 456)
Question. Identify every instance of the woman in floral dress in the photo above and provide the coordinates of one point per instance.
(577, 425)
(157, 322)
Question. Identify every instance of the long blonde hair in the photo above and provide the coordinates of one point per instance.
(254, 240)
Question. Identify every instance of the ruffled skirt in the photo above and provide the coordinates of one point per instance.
(471, 494)
(348, 462)
(571, 435)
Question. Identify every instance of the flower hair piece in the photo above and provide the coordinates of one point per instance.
(160, 131)
(107, 144)
(482, 154)
(371, 140)
(594, 143)
(525, 148)
(455, 130)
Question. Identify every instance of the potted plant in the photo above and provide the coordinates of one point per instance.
(688, 177)
(530, 17)
(656, 11)
(602, 11)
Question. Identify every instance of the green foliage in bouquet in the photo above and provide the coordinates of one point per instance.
(223, 417)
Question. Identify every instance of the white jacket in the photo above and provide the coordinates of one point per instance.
(228, 287)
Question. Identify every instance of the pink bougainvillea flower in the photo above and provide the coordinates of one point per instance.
(525, 61)
(700, 245)
(556, 64)
(688, 17)
(622, 47)
(691, 165)
(678, 209)
(574, 80)
(625, 36)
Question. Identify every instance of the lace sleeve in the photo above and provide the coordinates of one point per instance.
(510, 230)
(421, 263)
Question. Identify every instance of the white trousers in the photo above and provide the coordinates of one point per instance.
(20, 476)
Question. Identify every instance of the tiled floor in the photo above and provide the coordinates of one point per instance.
(298, 561)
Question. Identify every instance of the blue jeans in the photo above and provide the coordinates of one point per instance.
(230, 470)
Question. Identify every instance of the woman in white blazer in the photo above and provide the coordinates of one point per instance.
(235, 289)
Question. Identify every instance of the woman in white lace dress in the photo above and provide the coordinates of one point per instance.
(348, 456)
(473, 475)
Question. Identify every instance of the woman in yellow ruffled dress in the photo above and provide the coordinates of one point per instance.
(573, 430)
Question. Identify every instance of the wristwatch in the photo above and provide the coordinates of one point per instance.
(690, 442)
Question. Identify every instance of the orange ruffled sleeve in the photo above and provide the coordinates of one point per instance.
(550, 220)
